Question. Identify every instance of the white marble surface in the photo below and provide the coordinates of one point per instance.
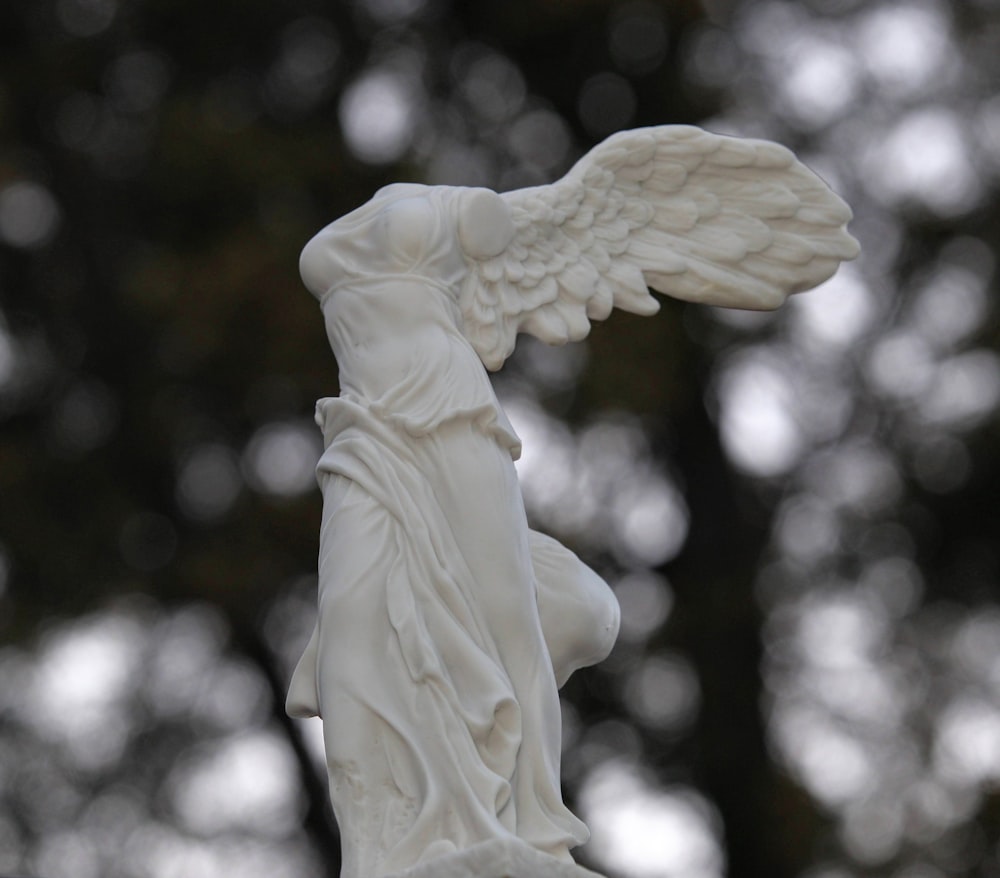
(445, 624)
(497, 859)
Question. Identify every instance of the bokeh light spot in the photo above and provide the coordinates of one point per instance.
(546, 468)
(901, 364)
(904, 45)
(303, 73)
(663, 692)
(872, 829)
(643, 832)
(967, 749)
(378, 116)
(491, 84)
(820, 80)
(645, 600)
(86, 18)
(951, 305)
(606, 103)
(941, 463)
(840, 631)
(539, 138)
(281, 457)
(836, 313)
(242, 782)
(807, 529)
(964, 390)
(209, 482)
(757, 422)
(861, 476)
(393, 11)
(84, 419)
(138, 80)
(925, 157)
(833, 765)
(84, 673)
(29, 215)
(637, 37)
(711, 57)
(651, 521)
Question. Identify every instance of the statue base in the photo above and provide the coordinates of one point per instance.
(500, 858)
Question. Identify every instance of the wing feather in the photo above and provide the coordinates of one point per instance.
(697, 216)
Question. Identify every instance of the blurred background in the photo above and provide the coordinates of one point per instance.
(798, 511)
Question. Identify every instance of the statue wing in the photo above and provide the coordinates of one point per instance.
(701, 217)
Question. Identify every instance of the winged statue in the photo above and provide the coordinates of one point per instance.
(445, 624)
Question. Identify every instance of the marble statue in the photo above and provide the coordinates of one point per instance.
(445, 623)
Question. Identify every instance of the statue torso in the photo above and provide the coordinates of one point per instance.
(394, 270)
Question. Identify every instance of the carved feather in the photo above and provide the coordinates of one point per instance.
(697, 216)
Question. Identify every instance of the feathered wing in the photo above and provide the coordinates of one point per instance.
(701, 217)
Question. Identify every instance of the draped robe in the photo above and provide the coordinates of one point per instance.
(435, 657)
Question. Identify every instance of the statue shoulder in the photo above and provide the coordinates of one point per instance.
(407, 229)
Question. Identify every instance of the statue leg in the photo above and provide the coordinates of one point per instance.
(303, 700)
(476, 485)
(355, 672)
(578, 611)
(421, 727)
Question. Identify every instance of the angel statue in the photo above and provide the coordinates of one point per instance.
(445, 623)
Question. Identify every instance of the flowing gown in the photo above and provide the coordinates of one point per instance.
(429, 664)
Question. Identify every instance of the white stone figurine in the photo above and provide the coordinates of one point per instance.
(445, 624)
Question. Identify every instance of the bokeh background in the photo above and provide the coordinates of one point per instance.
(798, 511)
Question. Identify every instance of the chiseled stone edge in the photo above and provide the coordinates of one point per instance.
(499, 858)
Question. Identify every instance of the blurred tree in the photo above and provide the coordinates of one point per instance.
(798, 511)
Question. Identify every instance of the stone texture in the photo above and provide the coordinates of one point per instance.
(445, 624)
(500, 858)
